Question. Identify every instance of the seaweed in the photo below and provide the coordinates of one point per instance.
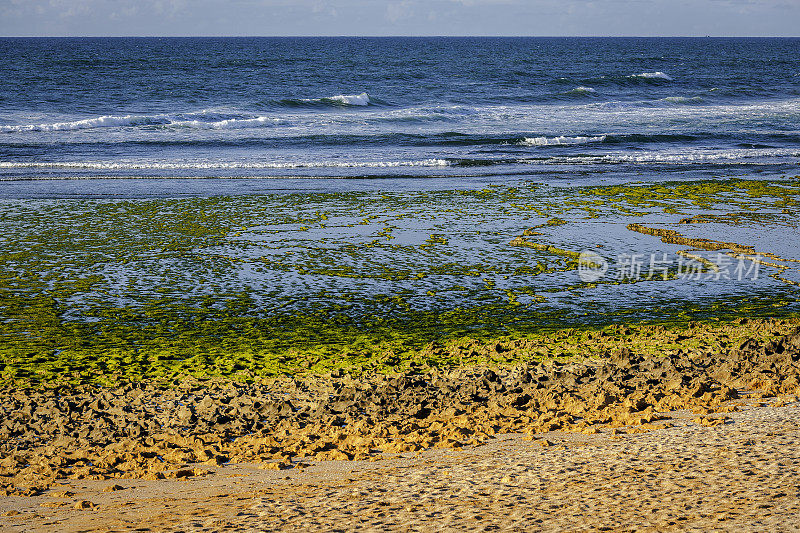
(109, 291)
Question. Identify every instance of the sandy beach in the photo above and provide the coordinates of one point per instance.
(743, 475)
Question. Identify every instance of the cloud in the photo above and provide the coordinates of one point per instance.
(169, 8)
(396, 11)
(399, 17)
(71, 8)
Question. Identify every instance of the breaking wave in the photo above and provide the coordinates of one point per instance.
(560, 141)
(206, 121)
(106, 121)
(354, 99)
(652, 76)
(340, 100)
(683, 99)
(201, 120)
(675, 157)
(228, 124)
(582, 90)
(221, 165)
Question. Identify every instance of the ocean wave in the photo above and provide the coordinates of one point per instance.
(227, 124)
(582, 90)
(643, 78)
(105, 121)
(220, 165)
(201, 120)
(358, 100)
(560, 141)
(683, 99)
(352, 99)
(652, 76)
(164, 121)
(733, 155)
(677, 157)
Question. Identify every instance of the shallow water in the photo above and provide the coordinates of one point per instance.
(364, 252)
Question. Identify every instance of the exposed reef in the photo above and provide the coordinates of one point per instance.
(149, 430)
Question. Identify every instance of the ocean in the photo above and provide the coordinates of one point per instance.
(399, 113)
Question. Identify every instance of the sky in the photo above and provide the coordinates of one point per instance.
(399, 17)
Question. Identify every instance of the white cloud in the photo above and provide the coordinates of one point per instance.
(396, 11)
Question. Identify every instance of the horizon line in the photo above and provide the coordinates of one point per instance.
(400, 36)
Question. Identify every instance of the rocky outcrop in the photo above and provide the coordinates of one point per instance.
(145, 430)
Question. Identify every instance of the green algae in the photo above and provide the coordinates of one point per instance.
(549, 248)
(675, 197)
(674, 237)
(250, 287)
(246, 348)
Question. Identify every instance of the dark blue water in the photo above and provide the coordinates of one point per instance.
(464, 109)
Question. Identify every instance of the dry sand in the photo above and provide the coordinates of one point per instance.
(743, 475)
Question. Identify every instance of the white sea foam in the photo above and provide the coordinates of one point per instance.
(110, 121)
(682, 99)
(221, 165)
(583, 90)
(693, 156)
(557, 141)
(676, 157)
(105, 121)
(351, 99)
(228, 124)
(652, 75)
(205, 120)
(341, 99)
